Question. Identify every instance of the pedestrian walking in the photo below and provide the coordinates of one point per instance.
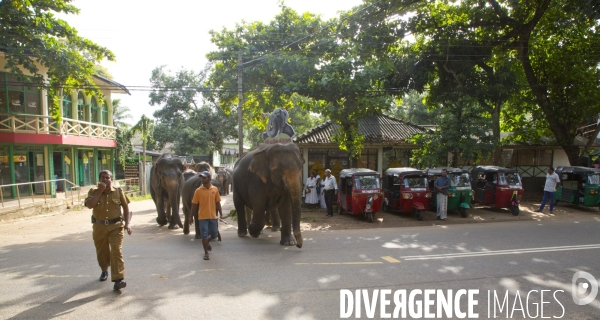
(106, 202)
(205, 206)
(552, 181)
(330, 191)
(441, 186)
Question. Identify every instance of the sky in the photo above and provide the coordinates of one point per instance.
(147, 34)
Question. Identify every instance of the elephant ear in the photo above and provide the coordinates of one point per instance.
(259, 166)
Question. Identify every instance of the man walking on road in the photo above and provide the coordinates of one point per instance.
(330, 190)
(441, 185)
(205, 204)
(106, 202)
(552, 181)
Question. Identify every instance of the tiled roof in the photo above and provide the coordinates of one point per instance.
(375, 129)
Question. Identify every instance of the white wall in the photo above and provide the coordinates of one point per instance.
(560, 158)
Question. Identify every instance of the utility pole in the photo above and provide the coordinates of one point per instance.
(240, 102)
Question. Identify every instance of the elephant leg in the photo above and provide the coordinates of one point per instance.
(285, 211)
(186, 220)
(160, 207)
(175, 221)
(240, 208)
(258, 221)
(197, 227)
(275, 221)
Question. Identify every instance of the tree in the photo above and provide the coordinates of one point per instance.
(33, 38)
(145, 127)
(413, 109)
(324, 61)
(461, 131)
(102, 71)
(486, 43)
(124, 148)
(120, 113)
(191, 123)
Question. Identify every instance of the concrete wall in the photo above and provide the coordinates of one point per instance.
(560, 158)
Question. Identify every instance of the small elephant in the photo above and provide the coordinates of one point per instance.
(166, 182)
(224, 178)
(268, 180)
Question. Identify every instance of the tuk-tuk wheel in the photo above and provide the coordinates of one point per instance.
(463, 212)
(369, 216)
(419, 214)
(514, 210)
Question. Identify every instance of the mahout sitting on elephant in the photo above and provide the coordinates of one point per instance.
(166, 183)
(268, 180)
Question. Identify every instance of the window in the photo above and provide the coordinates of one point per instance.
(366, 182)
(95, 115)
(415, 182)
(460, 180)
(67, 104)
(19, 96)
(81, 107)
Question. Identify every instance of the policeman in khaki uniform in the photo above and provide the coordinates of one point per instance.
(106, 202)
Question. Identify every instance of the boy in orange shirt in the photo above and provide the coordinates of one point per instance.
(206, 203)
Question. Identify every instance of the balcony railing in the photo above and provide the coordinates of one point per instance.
(31, 123)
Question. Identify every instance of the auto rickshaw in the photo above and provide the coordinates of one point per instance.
(497, 187)
(459, 192)
(405, 190)
(359, 192)
(579, 186)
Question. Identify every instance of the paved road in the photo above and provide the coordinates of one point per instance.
(48, 270)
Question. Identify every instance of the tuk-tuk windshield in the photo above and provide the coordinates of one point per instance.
(509, 179)
(415, 182)
(460, 180)
(594, 179)
(366, 182)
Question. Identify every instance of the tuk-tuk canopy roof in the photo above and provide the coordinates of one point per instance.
(357, 172)
(438, 171)
(399, 171)
(495, 169)
(576, 170)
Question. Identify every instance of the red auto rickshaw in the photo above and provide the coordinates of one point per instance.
(405, 190)
(359, 192)
(497, 187)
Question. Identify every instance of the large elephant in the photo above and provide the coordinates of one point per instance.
(187, 194)
(166, 183)
(268, 180)
(224, 178)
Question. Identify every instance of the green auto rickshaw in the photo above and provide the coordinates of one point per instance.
(579, 186)
(460, 193)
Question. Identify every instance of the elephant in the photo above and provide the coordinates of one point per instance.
(187, 174)
(205, 166)
(166, 183)
(224, 178)
(187, 194)
(231, 175)
(268, 181)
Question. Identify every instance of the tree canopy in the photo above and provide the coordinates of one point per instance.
(33, 38)
(193, 124)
